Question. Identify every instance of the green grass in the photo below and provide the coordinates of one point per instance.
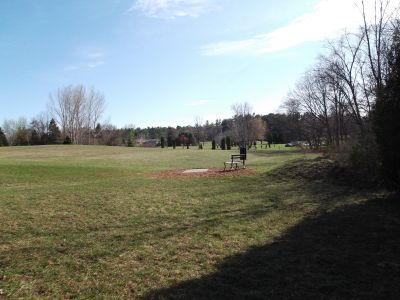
(90, 221)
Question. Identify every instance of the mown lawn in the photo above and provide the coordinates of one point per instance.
(92, 221)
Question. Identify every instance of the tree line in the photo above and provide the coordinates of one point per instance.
(71, 119)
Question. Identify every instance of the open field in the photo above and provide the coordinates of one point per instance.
(91, 221)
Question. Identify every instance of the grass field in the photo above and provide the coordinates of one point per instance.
(92, 221)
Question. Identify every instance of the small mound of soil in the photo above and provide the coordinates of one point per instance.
(210, 173)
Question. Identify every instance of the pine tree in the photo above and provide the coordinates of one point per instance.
(35, 138)
(131, 137)
(54, 135)
(223, 145)
(162, 141)
(228, 143)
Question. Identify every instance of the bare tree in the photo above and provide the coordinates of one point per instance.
(17, 131)
(242, 122)
(344, 83)
(347, 63)
(77, 110)
(246, 128)
(198, 130)
(378, 33)
(258, 129)
(40, 125)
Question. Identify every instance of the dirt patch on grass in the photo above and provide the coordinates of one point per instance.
(214, 172)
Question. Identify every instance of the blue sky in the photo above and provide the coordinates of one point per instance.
(162, 62)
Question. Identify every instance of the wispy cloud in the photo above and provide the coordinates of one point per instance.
(95, 64)
(327, 20)
(197, 103)
(95, 54)
(71, 68)
(171, 9)
(88, 57)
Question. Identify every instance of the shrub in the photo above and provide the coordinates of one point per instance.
(364, 156)
(67, 140)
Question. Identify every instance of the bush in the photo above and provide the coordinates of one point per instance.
(358, 157)
(67, 140)
(364, 156)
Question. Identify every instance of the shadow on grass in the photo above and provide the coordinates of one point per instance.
(351, 252)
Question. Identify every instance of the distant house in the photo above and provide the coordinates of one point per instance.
(148, 142)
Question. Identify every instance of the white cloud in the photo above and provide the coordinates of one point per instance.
(171, 9)
(327, 20)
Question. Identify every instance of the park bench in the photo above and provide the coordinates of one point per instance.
(236, 159)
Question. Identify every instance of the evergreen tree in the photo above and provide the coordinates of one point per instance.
(54, 135)
(223, 144)
(131, 137)
(98, 128)
(35, 138)
(228, 143)
(3, 138)
(386, 120)
(162, 141)
(213, 145)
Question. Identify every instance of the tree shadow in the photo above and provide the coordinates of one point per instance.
(351, 252)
